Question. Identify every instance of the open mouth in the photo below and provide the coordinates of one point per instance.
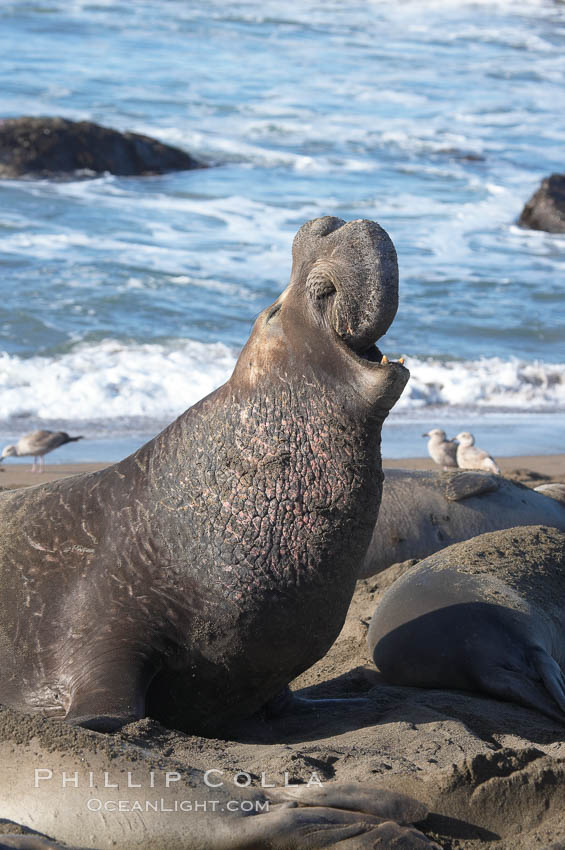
(373, 354)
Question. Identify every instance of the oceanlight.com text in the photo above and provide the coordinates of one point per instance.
(163, 806)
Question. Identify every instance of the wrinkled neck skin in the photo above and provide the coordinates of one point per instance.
(276, 477)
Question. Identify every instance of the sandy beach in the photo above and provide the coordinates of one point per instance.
(534, 469)
(491, 772)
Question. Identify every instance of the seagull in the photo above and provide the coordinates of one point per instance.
(37, 444)
(470, 457)
(441, 450)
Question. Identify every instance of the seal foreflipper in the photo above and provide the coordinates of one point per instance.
(463, 485)
(110, 691)
(552, 677)
(524, 686)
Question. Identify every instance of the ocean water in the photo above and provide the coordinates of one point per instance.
(124, 300)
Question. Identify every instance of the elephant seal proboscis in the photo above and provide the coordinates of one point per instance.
(422, 512)
(99, 791)
(483, 615)
(195, 579)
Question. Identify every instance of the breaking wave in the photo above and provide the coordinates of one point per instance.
(111, 381)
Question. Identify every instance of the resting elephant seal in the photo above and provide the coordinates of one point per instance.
(484, 615)
(196, 578)
(422, 512)
(94, 791)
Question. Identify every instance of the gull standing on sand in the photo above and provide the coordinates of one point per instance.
(470, 457)
(37, 444)
(440, 449)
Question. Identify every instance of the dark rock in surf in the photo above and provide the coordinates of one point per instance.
(546, 208)
(51, 147)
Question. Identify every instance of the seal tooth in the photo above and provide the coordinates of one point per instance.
(384, 359)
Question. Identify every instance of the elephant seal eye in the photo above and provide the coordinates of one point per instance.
(326, 289)
(273, 312)
(321, 279)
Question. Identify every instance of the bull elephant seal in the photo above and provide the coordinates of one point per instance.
(66, 783)
(196, 578)
(422, 512)
(484, 615)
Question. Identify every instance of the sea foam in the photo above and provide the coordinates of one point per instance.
(490, 382)
(111, 380)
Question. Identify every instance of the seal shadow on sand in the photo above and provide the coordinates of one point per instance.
(361, 699)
